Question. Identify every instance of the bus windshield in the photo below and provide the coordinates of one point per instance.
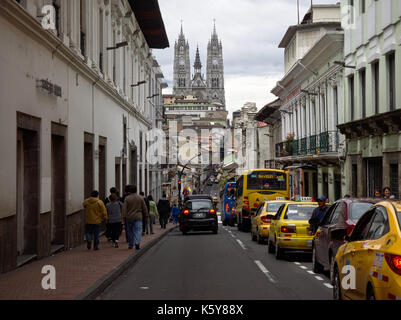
(267, 180)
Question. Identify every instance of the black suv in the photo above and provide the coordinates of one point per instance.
(198, 214)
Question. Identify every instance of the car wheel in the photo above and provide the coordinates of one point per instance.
(271, 248)
(239, 226)
(337, 295)
(185, 233)
(370, 294)
(253, 237)
(215, 231)
(279, 252)
(259, 239)
(225, 223)
(317, 267)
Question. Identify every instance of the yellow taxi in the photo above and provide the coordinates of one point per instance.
(289, 229)
(368, 265)
(262, 218)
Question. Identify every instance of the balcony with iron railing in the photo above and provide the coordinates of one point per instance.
(325, 142)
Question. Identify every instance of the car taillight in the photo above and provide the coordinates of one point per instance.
(288, 229)
(255, 205)
(246, 202)
(212, 211)
(394, 262)
(186, 212)
(266, 219)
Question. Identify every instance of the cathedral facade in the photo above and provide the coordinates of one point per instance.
(186, 84)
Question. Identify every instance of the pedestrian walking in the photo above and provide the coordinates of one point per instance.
(145, 220)
(127, 192)
(387, 193)
(175, 211)
(114, 213)
(134, 210)
(95, 211)
(318, 214)
(164, 209)
(107, 201)
(153, 213)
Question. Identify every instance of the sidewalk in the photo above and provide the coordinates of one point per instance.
(79, 272)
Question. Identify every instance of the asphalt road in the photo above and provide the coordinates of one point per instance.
(226, 266)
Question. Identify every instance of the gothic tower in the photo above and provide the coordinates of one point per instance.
(215, 70)
(198, 84)
(182, 67)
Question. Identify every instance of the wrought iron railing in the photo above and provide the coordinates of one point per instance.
(304, 146)
(322, 143)
(328, 142)
(312, 144)
(296, 148)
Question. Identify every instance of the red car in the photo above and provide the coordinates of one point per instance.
(338, 222)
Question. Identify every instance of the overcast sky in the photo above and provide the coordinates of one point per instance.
(250, 31)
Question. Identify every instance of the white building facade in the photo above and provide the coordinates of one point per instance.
(70, 119)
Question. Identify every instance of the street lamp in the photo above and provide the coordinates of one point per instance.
(138, 84)
(118, 45)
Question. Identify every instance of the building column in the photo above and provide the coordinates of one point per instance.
(386, 170)
(332, 191)
(320, 181)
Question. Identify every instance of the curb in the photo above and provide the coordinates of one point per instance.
(101, 285)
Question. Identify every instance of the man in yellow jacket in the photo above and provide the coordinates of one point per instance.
(95, 211)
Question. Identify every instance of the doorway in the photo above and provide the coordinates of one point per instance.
(102, 167)
(28, 193)
(88, 165)
(375, 175)
(59, 171)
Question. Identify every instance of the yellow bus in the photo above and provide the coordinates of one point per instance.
(255, 186)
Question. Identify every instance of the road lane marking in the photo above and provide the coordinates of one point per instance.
(303, 267)
(319, 278)
(241, 244)
(328, 285)
(311, 272)
(265, 271)
(232, 236)
(297, 263)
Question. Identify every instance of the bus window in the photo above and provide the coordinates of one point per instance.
(268, 180)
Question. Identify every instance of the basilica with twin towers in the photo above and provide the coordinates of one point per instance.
(209, 89)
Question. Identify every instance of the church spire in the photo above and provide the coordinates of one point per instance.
(197, 64)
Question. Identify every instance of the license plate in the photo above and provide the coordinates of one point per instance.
(199, 215)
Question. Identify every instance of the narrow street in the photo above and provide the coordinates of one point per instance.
(227, 266)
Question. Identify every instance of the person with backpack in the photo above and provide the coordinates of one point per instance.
(107, 201)
(114, 212)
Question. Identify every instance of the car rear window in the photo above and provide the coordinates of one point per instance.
(273, 207)
(199, 204)
(399, 219)
(357, 209)
(299, 212)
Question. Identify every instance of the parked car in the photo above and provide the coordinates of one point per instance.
(374, 251)
(340, 218)
(198, 214)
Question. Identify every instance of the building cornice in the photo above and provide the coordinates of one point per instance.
(17, 15)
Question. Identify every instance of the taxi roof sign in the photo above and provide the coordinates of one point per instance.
(281, 198)
(305, 199)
